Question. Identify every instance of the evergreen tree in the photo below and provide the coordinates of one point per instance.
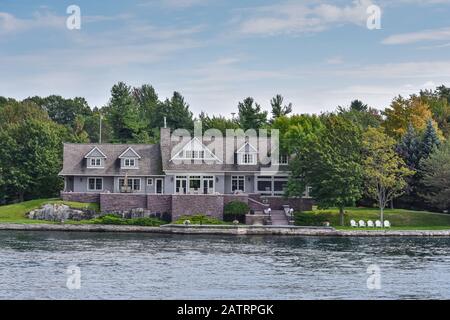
(250, 115)
(122, 113)
(176, 111)
(278, 110)
(430, 140)
(409, 148)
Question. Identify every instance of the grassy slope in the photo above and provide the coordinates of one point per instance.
(399, 218)
(15, 213)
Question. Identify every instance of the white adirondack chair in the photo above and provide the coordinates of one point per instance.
(362, 224)
(387, 224)
(353, 224)
(378, 224)
(370, 224)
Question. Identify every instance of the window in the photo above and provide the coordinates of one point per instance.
(284, 159)
(248, 158)
(237, 183)
(131, 186)
(150, 181)
(129, 162)
(95, 162)
(95, 184)
(194, 183)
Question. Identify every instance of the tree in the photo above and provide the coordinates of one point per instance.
(278, 110)
(361, 114)
(176, 111)
(403, 112)
(217, 122)
(31, 154)
(147, 100)
(409, 148)
(122, 114)
(331, 165)
(61, 110)
(430, 140)
(436, 177)
(385, 172)
(250, 115)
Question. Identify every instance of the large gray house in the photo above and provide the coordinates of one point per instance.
(181, 175)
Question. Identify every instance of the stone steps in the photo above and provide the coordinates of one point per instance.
(279, 218)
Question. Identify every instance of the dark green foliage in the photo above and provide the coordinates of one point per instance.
(310, 219)
(250, 115)
(409, 148)
(114, 219)
(200, 219)
(278, 110)
(330, 164)
(176, 111)
(436, 177)
(235, 209)
(361, 114)
(430, 140)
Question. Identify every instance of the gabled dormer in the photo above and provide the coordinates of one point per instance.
(95, 159)
(195, 150)
(247, 155)
(129, 159)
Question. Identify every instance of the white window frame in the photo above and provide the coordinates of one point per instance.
(95, 165)
(284, 159)
(132, 184)
(95, 184)
(129, 165)
(149, 181)
(245, 157)
(237, 178)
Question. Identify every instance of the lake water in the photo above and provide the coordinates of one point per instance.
(146, 266)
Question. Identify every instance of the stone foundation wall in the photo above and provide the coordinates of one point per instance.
(210, 205)
(180, 205)
(80, 197)
(116, 202)
(158, 203)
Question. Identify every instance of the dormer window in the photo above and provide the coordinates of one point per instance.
(129, 159)
(95, 162)
(247, 155)
(129, 162)
(95, 159)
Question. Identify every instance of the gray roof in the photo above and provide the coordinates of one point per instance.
(169, 148)
(75, 162)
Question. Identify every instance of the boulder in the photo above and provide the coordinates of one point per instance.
(59, 212)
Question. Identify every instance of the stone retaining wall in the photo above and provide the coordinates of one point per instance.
(158, 203)
(117, 202)
(210, 205)
(80, 197)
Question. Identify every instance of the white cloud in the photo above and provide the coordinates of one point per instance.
(296, 18)
(420, 36)
(11, 24)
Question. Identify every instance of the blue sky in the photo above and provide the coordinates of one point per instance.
(318, 54)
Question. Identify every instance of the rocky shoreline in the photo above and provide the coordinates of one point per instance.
(227, 230)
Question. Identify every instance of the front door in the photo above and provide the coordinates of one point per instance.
(208, 185)
(159, 186)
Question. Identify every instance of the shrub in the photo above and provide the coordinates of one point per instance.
(235, 210)
(199, 219)
(114, 219)
(310, 219)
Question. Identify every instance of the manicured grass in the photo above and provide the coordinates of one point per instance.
(15, 213)
(400, 219)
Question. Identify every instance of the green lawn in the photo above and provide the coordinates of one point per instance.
(15, 213)
(400, 219)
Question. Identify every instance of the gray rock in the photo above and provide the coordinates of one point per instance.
(59, 212)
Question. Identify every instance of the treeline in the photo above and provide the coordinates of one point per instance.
(356, 154)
